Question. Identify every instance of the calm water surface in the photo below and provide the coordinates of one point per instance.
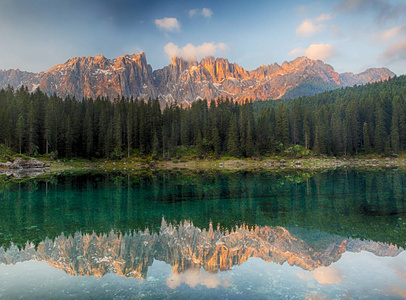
(259, 235)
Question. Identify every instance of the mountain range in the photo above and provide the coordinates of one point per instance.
(186, 81)
(187, 247)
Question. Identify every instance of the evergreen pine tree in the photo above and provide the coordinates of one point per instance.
(233, 139)
(367, 141)
(249, 143)
(380, 136)
(20, 130)
(216, 141)
(282, 126)
(69, 138)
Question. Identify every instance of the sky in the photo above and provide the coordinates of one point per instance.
(350, 35)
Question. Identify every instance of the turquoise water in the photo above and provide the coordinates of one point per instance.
(237, 235)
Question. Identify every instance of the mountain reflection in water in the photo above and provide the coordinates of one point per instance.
(361, 205)
(186, 247)
(242, 235)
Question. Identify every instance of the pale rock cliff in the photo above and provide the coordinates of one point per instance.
(186, 247)
(182, 81)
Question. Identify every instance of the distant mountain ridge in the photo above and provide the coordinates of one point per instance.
(187, 81)
(187, 247)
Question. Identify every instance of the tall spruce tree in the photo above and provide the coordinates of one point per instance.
(367, 140)
(282, 126)
(233, 147)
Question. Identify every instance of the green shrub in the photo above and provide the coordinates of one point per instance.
(116, 154)
(297, 151)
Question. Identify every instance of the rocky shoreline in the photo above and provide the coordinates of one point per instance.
(20, 168)
(33, 167)
(19, 164)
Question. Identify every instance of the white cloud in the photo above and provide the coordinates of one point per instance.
(194, 277)
(312, 26)
(205, 12)
(191, 52)
(323, 17)
(193, 12)
(320, 51)
(308, 28)
(328, 275)
(323, 275)
(315, 51)
(222, 46)
(296, 52)
(395, 51)
(168, 24)
(390, 33)
(385, 10)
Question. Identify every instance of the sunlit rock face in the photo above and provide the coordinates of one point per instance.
(212, 78)
(370, 75)
(16, 78)
(90, 77)
(186, 247)
(182, 81)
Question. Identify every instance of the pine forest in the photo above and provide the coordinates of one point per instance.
(346, 121)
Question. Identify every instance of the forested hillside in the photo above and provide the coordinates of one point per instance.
(346, 121)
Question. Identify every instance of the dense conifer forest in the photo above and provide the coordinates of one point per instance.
(346, 121)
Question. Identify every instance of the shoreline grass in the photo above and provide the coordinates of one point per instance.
(276, 162)
(228, 163)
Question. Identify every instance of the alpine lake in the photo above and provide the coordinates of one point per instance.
(262, 234)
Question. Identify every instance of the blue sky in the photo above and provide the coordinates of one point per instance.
(351, 35)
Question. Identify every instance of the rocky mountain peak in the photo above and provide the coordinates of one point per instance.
(183, 80)
(139, 57)
(299, 61)
(100, 60)
(184, 247)
(369, 75)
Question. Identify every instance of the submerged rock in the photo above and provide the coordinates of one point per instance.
(16, 163)
(6, 165)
